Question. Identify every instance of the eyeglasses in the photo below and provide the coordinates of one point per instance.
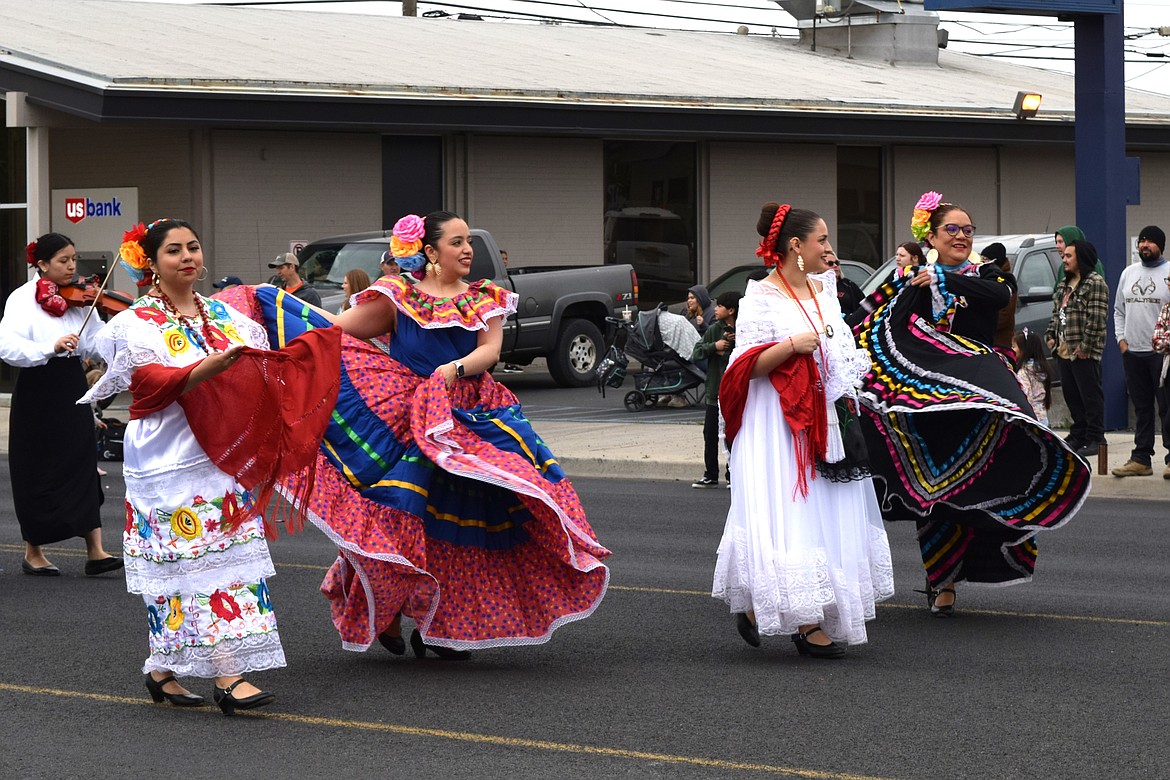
(832, 263)
(954, 230)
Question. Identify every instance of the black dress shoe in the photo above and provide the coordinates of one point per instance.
(445, 653)
(747, 629)
(805, 647)
(103, 565)
(178, 699)
(39, 571)
(395, 644)
(229, 703)
(936, 610)
(1087, 451)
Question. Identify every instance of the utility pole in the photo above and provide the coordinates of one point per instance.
(409, 8)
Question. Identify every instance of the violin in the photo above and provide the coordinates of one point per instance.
(82, 291)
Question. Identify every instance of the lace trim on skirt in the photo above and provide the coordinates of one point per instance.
(802, 588)
(225, 658)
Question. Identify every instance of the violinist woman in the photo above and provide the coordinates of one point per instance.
(42, 335)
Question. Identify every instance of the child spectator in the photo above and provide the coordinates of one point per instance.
(1032, 371)
(715, 347)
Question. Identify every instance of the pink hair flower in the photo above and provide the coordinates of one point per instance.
(410, 228)
(929, 201)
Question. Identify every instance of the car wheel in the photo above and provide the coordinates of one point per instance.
(574, 361)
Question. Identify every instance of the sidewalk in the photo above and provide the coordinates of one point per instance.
(675, 452)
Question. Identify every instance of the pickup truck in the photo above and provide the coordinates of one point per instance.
(561, 310)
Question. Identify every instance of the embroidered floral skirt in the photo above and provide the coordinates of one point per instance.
(206, 597)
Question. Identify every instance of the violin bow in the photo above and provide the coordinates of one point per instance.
(96, 298)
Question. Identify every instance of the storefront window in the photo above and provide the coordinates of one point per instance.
(650, 215)
(13, 216)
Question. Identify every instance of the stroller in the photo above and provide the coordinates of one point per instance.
(664, 371)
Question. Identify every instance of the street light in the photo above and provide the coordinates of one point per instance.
(1027, 104)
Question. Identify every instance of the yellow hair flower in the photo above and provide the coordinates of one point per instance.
(400, 248)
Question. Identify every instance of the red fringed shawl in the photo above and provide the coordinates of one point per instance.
(802, 399)
(262, 419)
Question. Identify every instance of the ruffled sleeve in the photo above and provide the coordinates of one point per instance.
(127, 341)
(470, 310)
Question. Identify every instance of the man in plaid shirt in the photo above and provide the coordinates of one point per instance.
(1076, 334)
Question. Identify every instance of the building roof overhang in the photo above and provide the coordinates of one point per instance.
(661, 93)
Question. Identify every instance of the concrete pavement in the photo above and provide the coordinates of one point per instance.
(675, 452)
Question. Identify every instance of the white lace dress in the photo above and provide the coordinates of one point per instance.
(798, 561)
(206, 598)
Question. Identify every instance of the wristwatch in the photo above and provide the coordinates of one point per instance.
(458, 368)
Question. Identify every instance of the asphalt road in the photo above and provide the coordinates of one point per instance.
(545, 400)
(1062, 678)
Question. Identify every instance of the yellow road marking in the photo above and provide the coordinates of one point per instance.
(466, 736)
(705, 594)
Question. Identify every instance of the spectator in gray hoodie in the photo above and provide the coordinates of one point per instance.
(1141, 294)
(700, 308)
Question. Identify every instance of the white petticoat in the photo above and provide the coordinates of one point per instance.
(792, 560)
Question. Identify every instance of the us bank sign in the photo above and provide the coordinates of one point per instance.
(95, 218)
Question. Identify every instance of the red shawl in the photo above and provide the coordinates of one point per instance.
(802, 399)
(262, 419)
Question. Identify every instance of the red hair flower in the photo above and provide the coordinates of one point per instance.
(30, 253)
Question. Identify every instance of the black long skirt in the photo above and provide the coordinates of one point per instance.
(52, 454)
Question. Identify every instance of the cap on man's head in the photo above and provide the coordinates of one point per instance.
(1155, 235)
(227, 281)
(285, 258)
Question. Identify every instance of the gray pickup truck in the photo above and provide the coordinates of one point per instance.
(561, 311)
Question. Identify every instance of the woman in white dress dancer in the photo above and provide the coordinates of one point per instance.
(803, 551)
(193, 545)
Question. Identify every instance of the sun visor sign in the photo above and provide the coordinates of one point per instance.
(1037, 7)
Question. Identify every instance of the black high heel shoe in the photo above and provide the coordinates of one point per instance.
(747, 629)
(936, 610)
(805, 647)
(178, 699)
(445, 653)
(395, 644)
(229, 703)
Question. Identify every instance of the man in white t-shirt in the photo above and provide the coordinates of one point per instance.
(1141, 293)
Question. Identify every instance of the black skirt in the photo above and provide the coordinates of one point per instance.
(52, 454)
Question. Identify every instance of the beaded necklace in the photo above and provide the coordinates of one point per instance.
(189, 324)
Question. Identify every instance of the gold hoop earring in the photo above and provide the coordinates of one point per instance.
(799, 262)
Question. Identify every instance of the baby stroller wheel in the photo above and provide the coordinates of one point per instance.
(635, 401)
(652, 401)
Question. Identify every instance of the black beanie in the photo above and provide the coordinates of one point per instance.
(1155, 235)
(996, 253)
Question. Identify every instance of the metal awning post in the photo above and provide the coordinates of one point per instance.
(1102, 173)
